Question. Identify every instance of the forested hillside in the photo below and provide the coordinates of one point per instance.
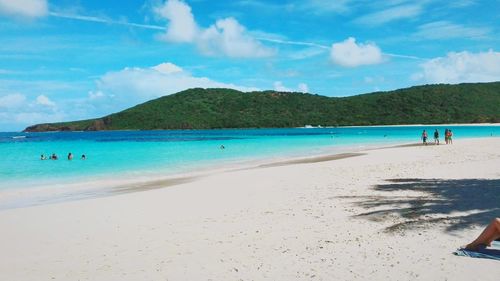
(226, 108)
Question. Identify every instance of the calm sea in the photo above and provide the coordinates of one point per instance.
(141, 153)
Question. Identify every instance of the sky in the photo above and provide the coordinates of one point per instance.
(64, 60)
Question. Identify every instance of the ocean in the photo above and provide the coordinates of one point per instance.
(131, 154)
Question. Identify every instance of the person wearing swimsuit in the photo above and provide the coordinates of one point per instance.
(424, 137)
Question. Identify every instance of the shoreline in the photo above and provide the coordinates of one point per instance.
(326, 127)
(60, 190)
(108, 185)
(430, 125)
(390, 214)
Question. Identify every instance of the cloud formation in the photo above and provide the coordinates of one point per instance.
(12, 100)
(447, 30)
(45, 101)
(23, 8)
(280, 87)
(390, 14)
(461, 67)
(303, 88)
(17, 110)
(117, 90)
(182, 26)
(226, 37)
(350, 54)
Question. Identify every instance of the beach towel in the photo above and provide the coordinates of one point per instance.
(492, 252)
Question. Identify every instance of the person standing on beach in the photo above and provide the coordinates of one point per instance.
(446, 135)
(450, 135)
(436, 137)
(424, 137)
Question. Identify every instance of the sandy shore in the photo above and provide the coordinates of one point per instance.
(387, 214)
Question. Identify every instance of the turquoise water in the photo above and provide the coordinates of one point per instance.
(143, 153)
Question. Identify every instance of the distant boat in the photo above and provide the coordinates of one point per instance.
(18, 137)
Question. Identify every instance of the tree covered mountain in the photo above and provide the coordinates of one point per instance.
(226, 108)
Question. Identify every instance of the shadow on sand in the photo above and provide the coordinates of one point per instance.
(455, 203)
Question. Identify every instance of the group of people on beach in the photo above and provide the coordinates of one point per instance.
(54, 157)
(448, 137)
(492, 231)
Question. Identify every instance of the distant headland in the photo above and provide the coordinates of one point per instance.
(226, 108)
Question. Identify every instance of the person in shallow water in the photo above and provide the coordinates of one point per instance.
(70, 156)
(83, 157)
(43, 157)
(53, 156)
(489, 234)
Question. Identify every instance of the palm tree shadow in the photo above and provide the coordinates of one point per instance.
(457, 204)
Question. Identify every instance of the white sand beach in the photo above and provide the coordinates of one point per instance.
(388, 214)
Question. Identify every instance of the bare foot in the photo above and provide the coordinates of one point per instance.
(474, 247)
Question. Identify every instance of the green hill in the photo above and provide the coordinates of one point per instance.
(226, 108)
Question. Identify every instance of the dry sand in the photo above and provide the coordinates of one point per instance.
(388, 214)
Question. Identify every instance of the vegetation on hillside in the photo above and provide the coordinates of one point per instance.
(225, 108)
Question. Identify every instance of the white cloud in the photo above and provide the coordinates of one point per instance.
(461, 67)
(349, 53)
(303, 88)
(45, 101)
(18, 111)
(33, 117)
(167, 68)
(12, 101)
(24, 8)
(307, 53)
(446, 30)
(390, 14)
(102, 19)
(182, 26)
(226, 37)
(95, 95)
(279, 87)
(118, 90)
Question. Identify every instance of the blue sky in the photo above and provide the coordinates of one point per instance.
(64, 60)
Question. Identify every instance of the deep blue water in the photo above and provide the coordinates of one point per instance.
(130, 153)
